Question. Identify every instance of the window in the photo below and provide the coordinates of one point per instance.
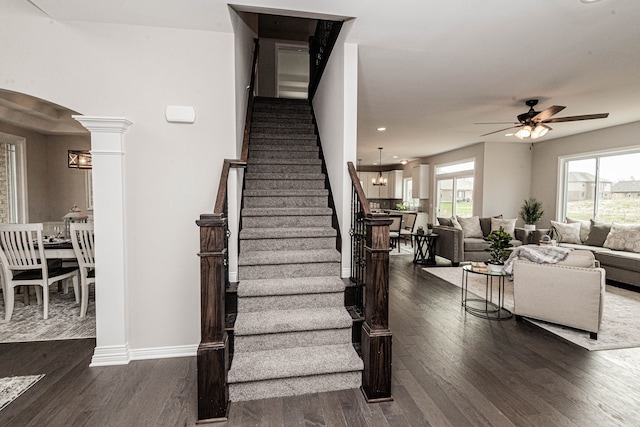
(407, 194)
(605, 187)
(455, 179)
(12, 197)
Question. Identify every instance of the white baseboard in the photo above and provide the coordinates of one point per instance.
(111, 355)
(346, 272)
(233, 276)
(164, 352)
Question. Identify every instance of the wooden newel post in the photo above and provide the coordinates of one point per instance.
(376, 335)
(213, 351)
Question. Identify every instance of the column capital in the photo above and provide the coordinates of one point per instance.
(104, 123)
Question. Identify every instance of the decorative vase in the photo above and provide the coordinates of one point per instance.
(530, 227)
(495, 268)
(420, 230)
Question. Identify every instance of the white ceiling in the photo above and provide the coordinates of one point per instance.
(429, 70)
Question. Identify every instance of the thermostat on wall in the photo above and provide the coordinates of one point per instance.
(180, 114)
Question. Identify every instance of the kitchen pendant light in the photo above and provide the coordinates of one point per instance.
(379, 180)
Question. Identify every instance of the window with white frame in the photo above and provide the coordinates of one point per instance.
(454, 189)
(603, 186)
(12, 188)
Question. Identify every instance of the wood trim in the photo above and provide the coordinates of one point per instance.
(355, 181)
(244, 155)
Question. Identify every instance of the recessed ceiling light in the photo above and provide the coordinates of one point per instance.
(588, 1)
(395, 157)
(375, 163)
(404, 162)
(508, 134)
(381, 129)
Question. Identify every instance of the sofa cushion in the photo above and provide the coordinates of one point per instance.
(455, 223)
(598, 233)
(594, 249)
(579, 258)
(474, 244)
(585, 227)
(445, 221)
(620, 259)
(623, 237)
(470, 226)
(509, 225)
(485, 224)
(566, 233)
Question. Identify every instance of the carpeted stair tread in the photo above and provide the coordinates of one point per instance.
(287, 233)
(288, 257)
(294, 362)
(283, 176)
(290, 286)
(313, 211)
(312, 162)
(280, 147)
(307, 319)
(286, 193)
(284, 136)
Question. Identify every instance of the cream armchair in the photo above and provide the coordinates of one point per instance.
(569, 293)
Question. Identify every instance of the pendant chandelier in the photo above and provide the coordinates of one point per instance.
(379, 180)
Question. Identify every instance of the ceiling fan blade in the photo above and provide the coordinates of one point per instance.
(545, 114)
(576, 118)
(501, 130)
(497, 123)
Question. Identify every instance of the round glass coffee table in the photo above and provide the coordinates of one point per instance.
(485, 308)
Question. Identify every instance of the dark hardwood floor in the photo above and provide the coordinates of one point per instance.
(449, 369)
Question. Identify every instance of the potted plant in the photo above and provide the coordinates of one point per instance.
(500, 241)
(429, 228)
(531, 212)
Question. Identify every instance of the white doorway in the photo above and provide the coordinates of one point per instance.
(292, 70)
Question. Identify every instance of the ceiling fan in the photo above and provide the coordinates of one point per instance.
(532, 124)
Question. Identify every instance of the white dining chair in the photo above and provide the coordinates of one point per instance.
(83, 245)
(24, 264)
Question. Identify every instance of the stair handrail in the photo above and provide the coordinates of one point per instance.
(213, 350)
(320, 47)
(370, 247)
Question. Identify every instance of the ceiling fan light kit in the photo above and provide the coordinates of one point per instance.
(532, 123)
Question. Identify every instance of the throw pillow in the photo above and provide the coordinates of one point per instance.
(485, 224)
(471, 226)
(566, 233)
(444, 221)
(623, 237)
(598, 234)
(585, 227)
(509, 225)
(455, 223)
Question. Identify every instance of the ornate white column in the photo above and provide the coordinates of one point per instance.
(107, 150)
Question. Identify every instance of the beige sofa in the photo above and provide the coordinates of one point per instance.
(569, 293)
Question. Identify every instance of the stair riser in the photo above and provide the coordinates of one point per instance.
(287, 222)
(264, 168)
(282, 154)
(271, 120)
(277, 138)
(288, 184)
(287, 244)
(292, 340)
(286, 302)
(266, 108)
(286, 202)
(246, 272)
(294, 386)
(302, 130)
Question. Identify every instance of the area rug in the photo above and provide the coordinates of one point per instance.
(64, 322)
(620, 326)
(12, 387)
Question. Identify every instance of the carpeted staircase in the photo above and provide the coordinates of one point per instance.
(292, 332)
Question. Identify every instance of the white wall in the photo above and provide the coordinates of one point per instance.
(335, 106)
(171, 170)
(507, 178)
(546, 159)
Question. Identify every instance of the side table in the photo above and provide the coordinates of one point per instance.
(424, 248)
(485, 308)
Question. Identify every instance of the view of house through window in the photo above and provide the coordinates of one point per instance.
(454, 189)
(605, 187)
(8, 184)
